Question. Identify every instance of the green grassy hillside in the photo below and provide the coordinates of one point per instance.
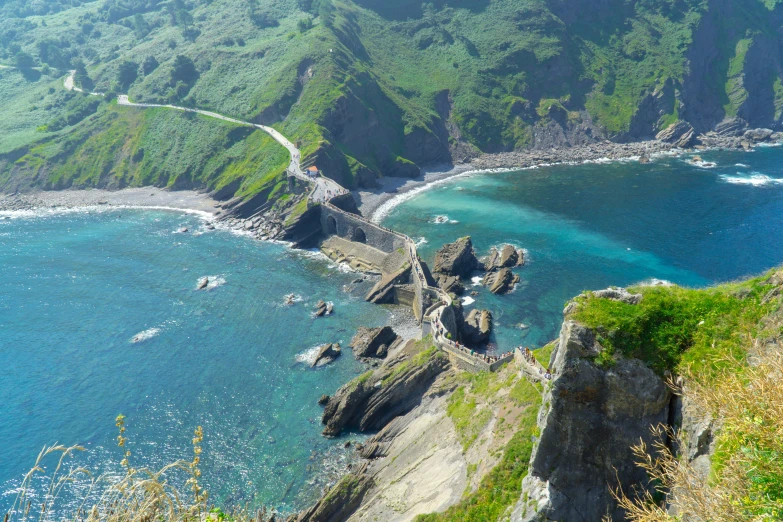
(371, 88)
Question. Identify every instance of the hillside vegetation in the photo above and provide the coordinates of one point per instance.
(368, 88)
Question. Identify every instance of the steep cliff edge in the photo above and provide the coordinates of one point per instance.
(592, 417)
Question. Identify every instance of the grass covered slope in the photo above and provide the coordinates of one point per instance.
(372, 88)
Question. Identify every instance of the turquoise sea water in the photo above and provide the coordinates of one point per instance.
(591, 226)
(75, 289)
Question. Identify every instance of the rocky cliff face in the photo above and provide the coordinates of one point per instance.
(369, 402)
(591, 417)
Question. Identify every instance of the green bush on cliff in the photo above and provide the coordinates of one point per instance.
(674, 326)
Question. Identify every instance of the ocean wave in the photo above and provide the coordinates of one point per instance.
(741, 165)
(467, 301)
(441, 219)
(146, 334)
(755, 179)
(99, 209)
(419, 241)
(476, 281)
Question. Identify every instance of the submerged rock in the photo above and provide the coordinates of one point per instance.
(326, 354)
(202, 283)
(373, 342)
(457, 259)
(500, 281)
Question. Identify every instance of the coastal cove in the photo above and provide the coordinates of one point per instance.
(589, 226)
(79, 287)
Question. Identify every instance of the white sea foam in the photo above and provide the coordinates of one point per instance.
(308, 356)
(741, 165)
(476, 281)
(755, 179)
(468, 300)
(703, 164)
(146, 334)
(420, 241)
(99, 209)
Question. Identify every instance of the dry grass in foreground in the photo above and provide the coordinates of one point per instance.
(170, 494)
(746, 481)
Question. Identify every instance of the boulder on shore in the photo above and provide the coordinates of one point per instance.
(326, 354)
(477, 327)
(457, 259)
(505, 257)
(373, 342)
(500, 281)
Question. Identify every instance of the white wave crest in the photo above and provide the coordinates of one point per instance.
(476, 281)
(467, 301)
(308, 356)
(756, 179)
(146, 334)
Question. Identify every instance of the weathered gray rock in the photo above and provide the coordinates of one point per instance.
(370, 401)
(451, 284)
(457, 259)
(202, 283)
(383, 290)
(680, 134)
(591, 417)
(505, 257)
(326, 354)
(619, 294)
(323, 399)
(320, 309)
(373, 342)
(477, 327)
(500, 281)
(758, 135)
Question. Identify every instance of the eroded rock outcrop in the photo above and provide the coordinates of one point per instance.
(680, 134)
(373, 342)
(505, 257)
(477, 327)
(591, 417)
(500, 281)
(451, 284)
(370, 401)
(326, 354)
(457, 259)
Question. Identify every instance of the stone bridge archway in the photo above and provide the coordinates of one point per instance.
(359, 235)
(331, 225)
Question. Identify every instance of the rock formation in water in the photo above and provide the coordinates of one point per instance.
(500, 281)
(326, 354)
(457, 259)
(373, 342)
(505, 257)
